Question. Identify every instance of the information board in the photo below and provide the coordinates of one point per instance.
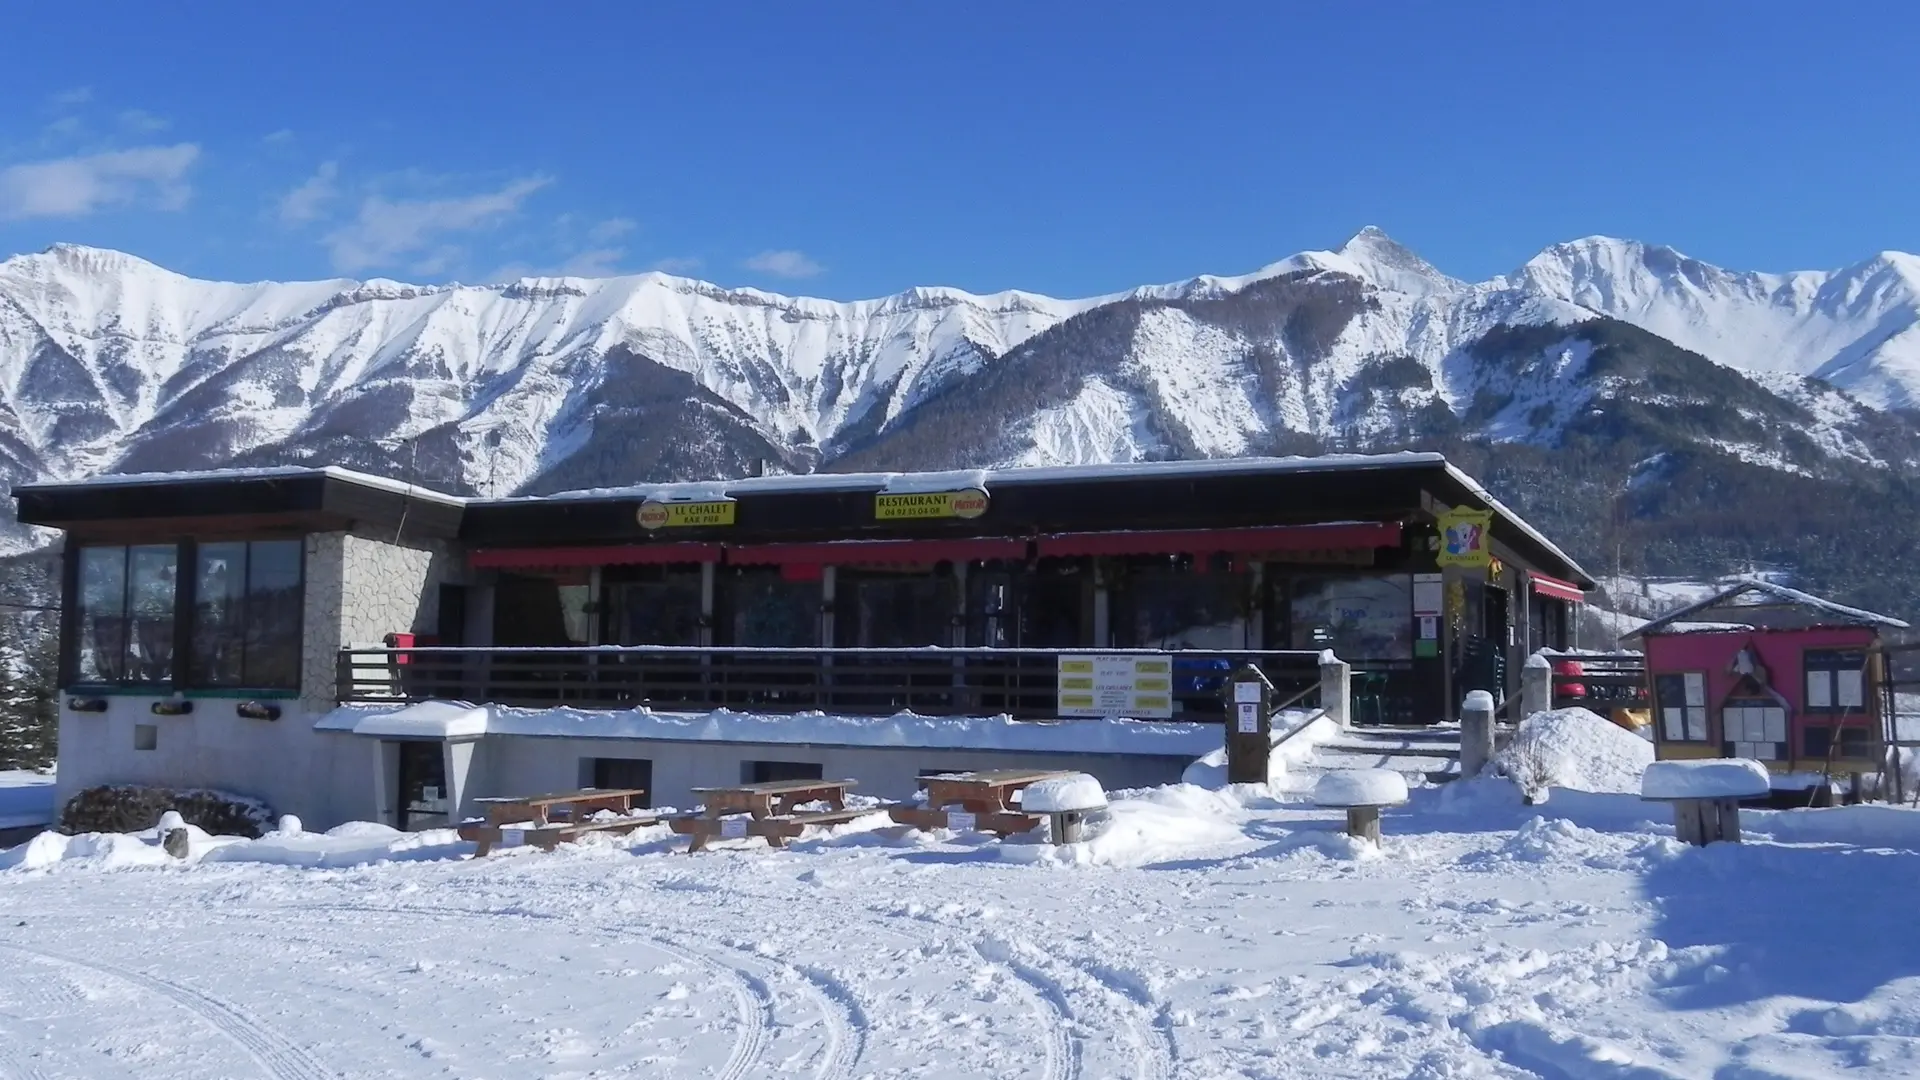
(1133, 685)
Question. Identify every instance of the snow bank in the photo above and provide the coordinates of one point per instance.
(1574, 748)
(1712, 778)
(1360, 787)
(102, 851)
(357, 843)
(1134, 833)
(1074, 791)
(1867, 825)
(1145, 737)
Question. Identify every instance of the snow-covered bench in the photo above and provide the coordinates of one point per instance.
(1705, 795)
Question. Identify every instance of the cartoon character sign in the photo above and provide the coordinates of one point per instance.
(1463, 538)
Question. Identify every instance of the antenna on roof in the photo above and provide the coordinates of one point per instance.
(413, 475)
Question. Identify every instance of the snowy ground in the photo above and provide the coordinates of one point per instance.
(26, 799)
(1203, 935)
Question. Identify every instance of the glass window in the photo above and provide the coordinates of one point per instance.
(1836, 680)
(772, 611)
(1175, 606)
(125, 610)
(663, 609)
(246, 617)
(1681, 701)
(100, 648)
(1359, 618)
(897, 611)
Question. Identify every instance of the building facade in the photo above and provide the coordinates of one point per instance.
(262, 631)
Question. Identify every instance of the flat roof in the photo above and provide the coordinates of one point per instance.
(141, 494)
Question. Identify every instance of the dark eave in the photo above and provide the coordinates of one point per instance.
(283, 500)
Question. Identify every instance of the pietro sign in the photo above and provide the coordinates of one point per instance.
(967, 503)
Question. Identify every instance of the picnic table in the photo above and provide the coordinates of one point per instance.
(984, 801)
(547, 821)
(764, 810)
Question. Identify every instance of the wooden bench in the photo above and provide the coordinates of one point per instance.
(984, 801)
(547, 821)
(776, 830)
(764, 810)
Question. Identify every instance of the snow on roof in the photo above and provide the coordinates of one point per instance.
(1678, 621)
(283, 472)
(1519, 522)
(725, 726)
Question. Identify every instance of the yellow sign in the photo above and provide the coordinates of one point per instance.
(1464, 538)
(1116, 685)
(970, 503)
(685, 515)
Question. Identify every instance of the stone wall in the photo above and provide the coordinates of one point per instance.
(359, 590)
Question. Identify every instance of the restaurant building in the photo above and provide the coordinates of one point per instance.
(257, 631)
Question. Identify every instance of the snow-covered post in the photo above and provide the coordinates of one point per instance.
(1336, 688)
(1476, 732)
(173, 834)
(1705, 795)
(1248, 746)
(1536, 685)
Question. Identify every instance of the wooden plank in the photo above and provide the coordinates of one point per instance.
(1001, 823)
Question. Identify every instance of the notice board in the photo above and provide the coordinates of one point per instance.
(1128, 684)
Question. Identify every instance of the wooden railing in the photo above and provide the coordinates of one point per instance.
(1022, 683)
(1606, 681)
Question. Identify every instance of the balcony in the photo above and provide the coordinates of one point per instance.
(1022, 683)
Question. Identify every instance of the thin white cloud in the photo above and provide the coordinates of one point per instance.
(610, 229)
(142, 121)
(678, 264)
(308, 201)
(388, 230)
(278, 138)
(67, 99)
(77, 186)
(786, 264)
(597, 262)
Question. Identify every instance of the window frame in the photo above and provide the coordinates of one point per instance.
(1686, 707)
(182, 679)
(1830, 663)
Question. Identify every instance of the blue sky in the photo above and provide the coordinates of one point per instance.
(850, 149)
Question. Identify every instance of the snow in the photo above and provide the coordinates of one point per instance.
(1477, 701)
(1056, 794)
(933, 482)
(1196, 933)
(444, 719)
(427, 720)
(1709, 778)
(26, 799)
(1763, 591)
(1360, 787)
(1576, 749)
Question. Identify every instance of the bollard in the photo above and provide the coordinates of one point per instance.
(173, 834)
(1336, 689)
(1249, 745)
(1536, 685)
(1476, 733)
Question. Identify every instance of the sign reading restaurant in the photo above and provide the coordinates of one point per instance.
(966, 503)
(654, 514)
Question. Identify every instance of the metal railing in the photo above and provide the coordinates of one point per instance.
(1022, 683)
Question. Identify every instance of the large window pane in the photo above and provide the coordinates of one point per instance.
(150, 591)
(771, 611)
(1359, 618)
(899, 611)
(1178, 607)
(100, 645)
(273, 614)
(219, 615)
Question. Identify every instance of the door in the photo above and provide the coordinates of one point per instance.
(424, 802)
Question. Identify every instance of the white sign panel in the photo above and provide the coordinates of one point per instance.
(512, 837)
(1132, 685)
(1246, 691)
(1249, 718)
(733, 827)
(960, 821)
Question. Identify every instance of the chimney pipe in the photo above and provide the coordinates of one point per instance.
(759, 467)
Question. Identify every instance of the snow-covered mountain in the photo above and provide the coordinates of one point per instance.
(109, 363)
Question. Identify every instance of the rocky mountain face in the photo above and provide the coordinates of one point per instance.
(1659, 414)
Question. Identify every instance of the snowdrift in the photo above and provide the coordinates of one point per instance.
(1574, 748)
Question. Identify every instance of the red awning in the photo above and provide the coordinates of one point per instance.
(613, 555)
(869, 552)
(1339, 536)
(1557, 589)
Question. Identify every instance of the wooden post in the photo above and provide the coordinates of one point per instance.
(1249, 746)
(1363, 823)
(1700, 822)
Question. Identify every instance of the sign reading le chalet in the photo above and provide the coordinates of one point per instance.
(968, 503)
(654, 514)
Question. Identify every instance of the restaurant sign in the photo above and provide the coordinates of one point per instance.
(685, 515)
(1464, 538)
(1129, 685)
(967, 503)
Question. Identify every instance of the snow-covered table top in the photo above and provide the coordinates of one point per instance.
(1060, 794)
(1710, 778)
(1351, 788)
